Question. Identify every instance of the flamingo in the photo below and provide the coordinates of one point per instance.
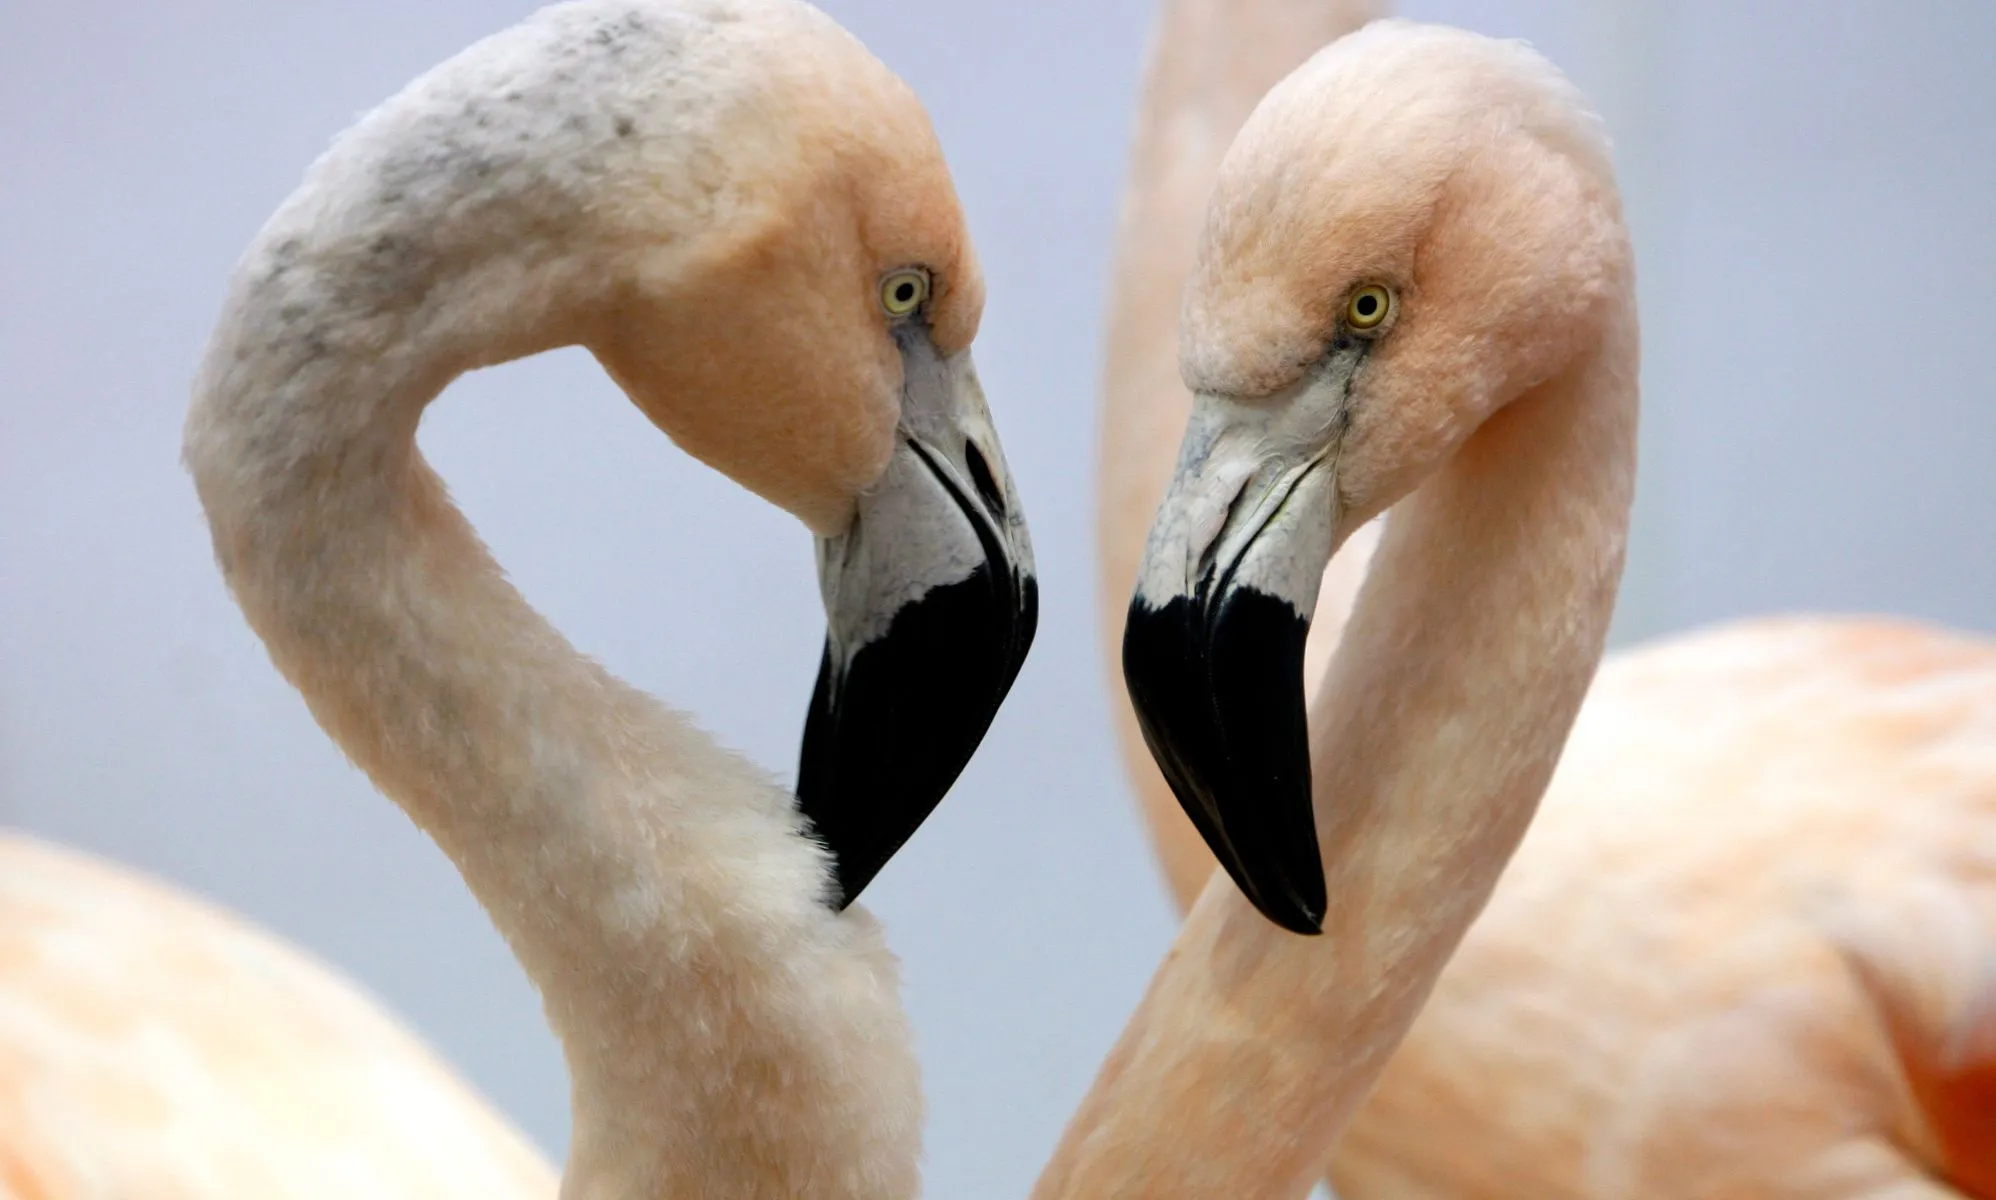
(1829, 1023)
(1413, 289)
(151, 1045)
(745, 217)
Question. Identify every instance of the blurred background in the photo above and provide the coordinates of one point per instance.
(1812, 189)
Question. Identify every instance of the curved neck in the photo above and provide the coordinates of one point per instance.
(1210, 62)
(714, 1014)
(1437, 729)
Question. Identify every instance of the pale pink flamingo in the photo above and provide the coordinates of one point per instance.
(746, 218)
(1720, 965)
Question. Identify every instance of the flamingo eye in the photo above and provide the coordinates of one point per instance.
(902, 292)
(1368, 306)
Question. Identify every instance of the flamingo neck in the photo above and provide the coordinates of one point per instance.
(1444, 713)
(725, 1032)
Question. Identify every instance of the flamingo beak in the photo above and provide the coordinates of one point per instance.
(1213, 646)
(931, 604)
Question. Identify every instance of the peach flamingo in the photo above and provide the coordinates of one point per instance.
(1849, 1052)
(1413, 289)
(746, 218)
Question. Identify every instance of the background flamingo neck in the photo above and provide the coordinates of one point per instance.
(1210, 62)
(1208, 65)
(654, 886)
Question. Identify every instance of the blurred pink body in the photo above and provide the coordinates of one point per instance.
(1745, 949)
(152, 1046)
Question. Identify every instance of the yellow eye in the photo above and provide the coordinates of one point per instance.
(902, 292)
(1368, 306)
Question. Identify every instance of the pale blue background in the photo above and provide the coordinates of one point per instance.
(1814, 190)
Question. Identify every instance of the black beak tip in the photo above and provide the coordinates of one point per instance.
(1217, 684)
(1293, 913)
(887, 737)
